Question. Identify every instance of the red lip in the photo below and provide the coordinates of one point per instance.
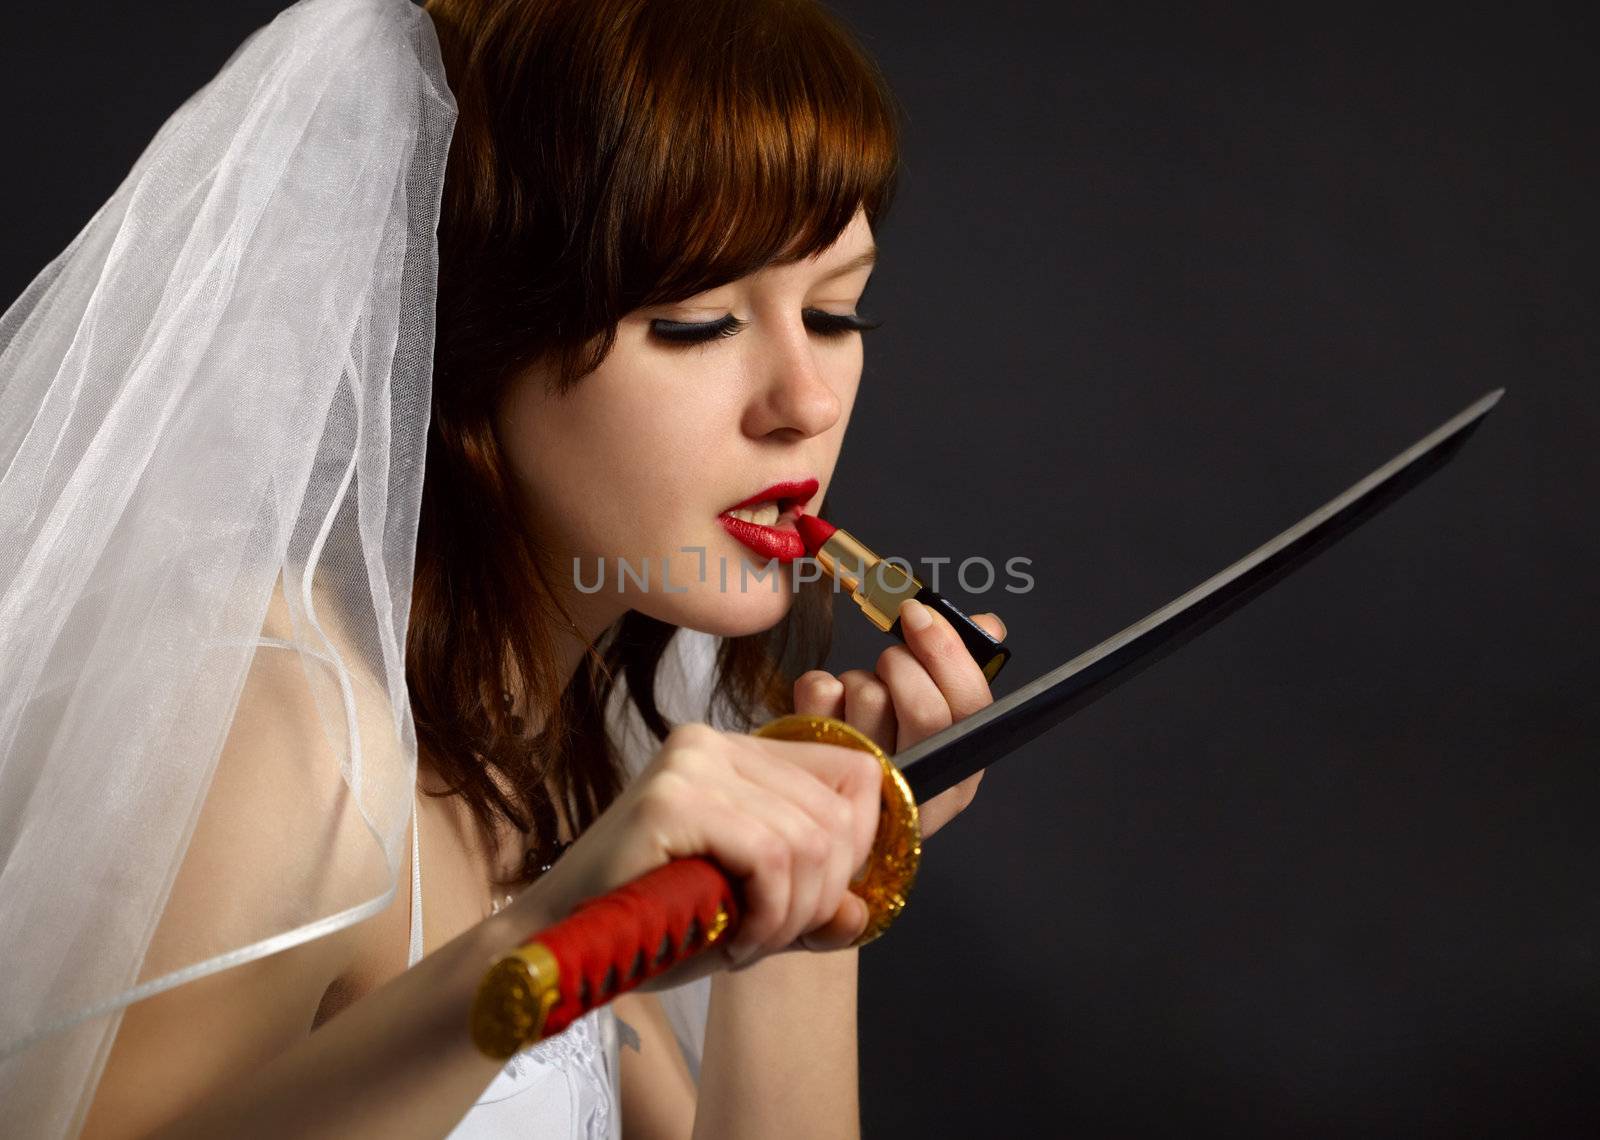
(781, 540)
(795, 493)
(767, 541)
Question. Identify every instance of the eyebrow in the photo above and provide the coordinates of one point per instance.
(860, 261)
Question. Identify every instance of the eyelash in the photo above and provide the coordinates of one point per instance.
(825, 324)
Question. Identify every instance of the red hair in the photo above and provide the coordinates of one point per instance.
(608, 154)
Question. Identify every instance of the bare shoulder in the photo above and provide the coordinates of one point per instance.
(279, 841)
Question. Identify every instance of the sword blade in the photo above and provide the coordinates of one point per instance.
(948, 757)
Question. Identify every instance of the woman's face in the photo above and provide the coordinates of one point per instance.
(635, 471)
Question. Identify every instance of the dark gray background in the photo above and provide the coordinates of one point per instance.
(1154, 289)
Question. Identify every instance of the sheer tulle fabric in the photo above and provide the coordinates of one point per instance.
(213, 411)
(213, 406)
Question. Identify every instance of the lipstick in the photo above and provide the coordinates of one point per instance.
(878, 587)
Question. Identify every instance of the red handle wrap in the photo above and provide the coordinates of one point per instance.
(609, 945)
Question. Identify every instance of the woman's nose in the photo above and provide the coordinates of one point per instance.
(793, 395)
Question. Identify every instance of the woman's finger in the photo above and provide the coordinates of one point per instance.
(831, 781)
(920, 707)
(939, 649)
(842, 929)
(868, 706)
(833, 813)
(992, 625)
(942, 808)
(745, 847)
(851, 772)
(819, 693)
(809, 849)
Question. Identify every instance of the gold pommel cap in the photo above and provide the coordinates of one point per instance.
(514, 999)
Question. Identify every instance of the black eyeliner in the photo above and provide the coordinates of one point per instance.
(690, 332)
(842, 322)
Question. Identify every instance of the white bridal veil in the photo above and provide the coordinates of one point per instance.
(213, 408)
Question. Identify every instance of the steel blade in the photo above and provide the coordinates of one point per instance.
(979, 740)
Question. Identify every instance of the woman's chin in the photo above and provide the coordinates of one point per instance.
(730, 614)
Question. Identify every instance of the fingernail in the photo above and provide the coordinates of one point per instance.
(915, 615)
(994, 618)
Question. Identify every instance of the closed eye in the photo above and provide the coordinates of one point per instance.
(837, 324)
(695, 332)
(698, 332)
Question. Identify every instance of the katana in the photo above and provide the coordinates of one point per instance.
(976, 741)
(611, 944)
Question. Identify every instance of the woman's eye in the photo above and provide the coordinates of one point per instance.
(837, 324)
(694, 332)
(698, 332)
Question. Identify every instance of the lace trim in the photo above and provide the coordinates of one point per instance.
(576, 1051)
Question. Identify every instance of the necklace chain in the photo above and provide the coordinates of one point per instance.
(531, 866)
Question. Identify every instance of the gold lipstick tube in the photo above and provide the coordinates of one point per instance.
(879, 586)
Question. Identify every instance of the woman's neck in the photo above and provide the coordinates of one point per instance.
(504, 851)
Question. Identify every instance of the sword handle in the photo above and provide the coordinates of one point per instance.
(614, 943)
(605, 947)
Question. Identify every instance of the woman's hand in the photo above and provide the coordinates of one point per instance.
(916, 690)
(791, 821)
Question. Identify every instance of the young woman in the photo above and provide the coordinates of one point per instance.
(656, 223)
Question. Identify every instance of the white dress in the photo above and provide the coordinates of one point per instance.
(564, 1087)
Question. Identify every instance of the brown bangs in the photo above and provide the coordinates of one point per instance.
(758, 152)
